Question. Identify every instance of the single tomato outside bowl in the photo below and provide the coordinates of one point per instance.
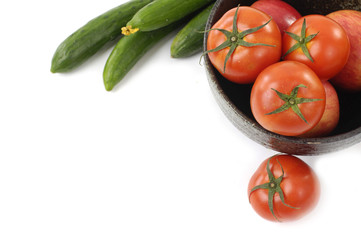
(234, 99)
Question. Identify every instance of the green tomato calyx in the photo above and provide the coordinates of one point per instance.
(302, 41)
(273, 187)
(292, 101)
(235, 38)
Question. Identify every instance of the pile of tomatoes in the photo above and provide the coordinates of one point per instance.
(290, 60)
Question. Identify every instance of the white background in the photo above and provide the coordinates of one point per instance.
(153, 159)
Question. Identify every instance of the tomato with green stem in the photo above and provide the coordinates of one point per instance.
(288, 98)
(319, 42)
(283, 188)
(242, 43)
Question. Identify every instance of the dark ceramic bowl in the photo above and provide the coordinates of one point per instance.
(233, 99)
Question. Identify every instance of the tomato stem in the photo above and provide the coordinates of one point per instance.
(235, 38)
(273, 187)
(302, 41)
(292, 101)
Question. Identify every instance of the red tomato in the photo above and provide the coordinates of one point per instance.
(247, 58)
(288, 98)
(283, 188)
(283, 13)
(323, 45)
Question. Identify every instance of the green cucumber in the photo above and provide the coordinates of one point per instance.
(161, 13)
(90, 38)
(189, 40)
(128, 51)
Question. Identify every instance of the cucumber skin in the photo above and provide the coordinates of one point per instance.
(128, 51)
(91, 37)
(161, 13)
(189, 40)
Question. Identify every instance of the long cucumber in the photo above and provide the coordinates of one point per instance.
(161, 13)
(90, 38)
(128, 51)
(189, 40)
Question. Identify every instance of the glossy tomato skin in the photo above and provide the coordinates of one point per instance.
(284, 77)
(283, 13)
(246, 62)
(300, 185)
(330, 49)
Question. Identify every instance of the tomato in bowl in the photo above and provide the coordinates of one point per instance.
(234, 99)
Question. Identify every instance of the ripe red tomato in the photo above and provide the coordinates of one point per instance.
(319, 42)
(283, 188)
(283, 13)
(241, 49)
(288, 98)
